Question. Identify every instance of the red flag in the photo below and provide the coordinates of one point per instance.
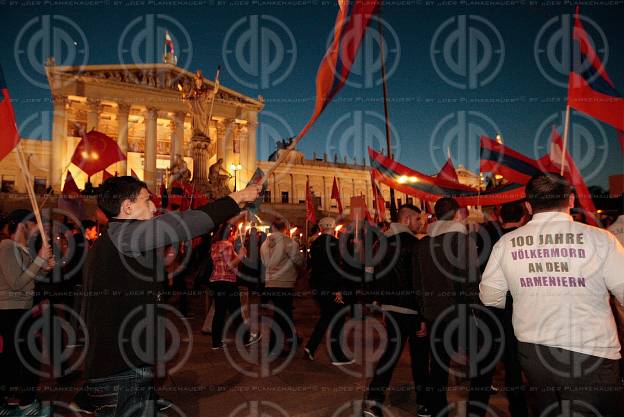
(573, 175)
(358, 211)
(70, 187)
(351, 22)
(95, 152)
(590, 90)
(335, 194)
(310, 211)
(9, 137)
(378, 201)
(134, 174)
(106, 175)
(448, 172)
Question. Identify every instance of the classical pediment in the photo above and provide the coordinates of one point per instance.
(165, 78)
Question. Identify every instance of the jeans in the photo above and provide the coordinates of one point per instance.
(401, 328)
(566, 383)
(129, 394)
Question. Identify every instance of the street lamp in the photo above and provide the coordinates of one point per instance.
(235, 168)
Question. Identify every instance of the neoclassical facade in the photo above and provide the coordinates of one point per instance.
(141, 107)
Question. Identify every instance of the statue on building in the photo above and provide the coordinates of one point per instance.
(200, 99)
(219, 177)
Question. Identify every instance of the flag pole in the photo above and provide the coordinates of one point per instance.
(214, 95)
(393, 208)
(21, 160)
(566, 129)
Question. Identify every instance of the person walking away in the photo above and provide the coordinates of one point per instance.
(560, 273)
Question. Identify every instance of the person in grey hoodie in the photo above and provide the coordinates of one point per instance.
(281, 260)
(18, 272)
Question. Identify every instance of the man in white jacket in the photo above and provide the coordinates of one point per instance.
(281, 260)
(560, 273)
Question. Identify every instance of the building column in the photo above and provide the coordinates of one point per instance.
(249, 145)
(123, 111)
(149, 153)
(94, 108)
(221, 134)
(291, 197)
(325, 199)
(177, 136)
(59, 130)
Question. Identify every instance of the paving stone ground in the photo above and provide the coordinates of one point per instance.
(228, 384)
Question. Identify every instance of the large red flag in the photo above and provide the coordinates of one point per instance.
(310, 211)
(351, 23)
(335, 194)
(95, 152)
(590, 90)
(106, 175)
(9, 137)
(573, 175)
(70, 187)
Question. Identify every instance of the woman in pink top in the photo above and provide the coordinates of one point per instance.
(225, 262)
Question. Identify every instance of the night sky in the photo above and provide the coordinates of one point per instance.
(437, 100)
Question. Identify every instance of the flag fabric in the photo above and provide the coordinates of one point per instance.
(573, 175)
(169, 42)
(335, 195)
(95, 152)
(358, 211)
(70, 187)
(378, 201)
(401, 178)
(349, 30)
(9, 136)
(502, 160)
(590, 90)
(106, 175)
(310, 211)
(448, 172)
(134, 174)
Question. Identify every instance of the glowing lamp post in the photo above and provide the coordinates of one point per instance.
(235, 168)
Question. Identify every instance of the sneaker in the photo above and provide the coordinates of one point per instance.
(74, 406)
(423, 411)
(6, 410)
(33, 409)
(308, 354)
(217, 347)
(163, 404)
(343, 362)
(371, 409)
(253, 338)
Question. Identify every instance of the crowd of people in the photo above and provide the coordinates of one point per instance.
(533, 289)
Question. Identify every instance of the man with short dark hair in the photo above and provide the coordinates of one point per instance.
(122, 274)
(560, 273)
(397, 288)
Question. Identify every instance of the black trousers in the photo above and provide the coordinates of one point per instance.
(282, 299)
(226, 300)
(447, 338)
(334, 314)
(566, 383)
(16, 380)
(401, 328)
(514, 388)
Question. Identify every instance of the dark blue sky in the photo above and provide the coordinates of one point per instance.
(428, 113)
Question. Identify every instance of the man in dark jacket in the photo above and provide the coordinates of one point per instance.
(449, 266)
(397, 289)
(122, 275)
(327, 281)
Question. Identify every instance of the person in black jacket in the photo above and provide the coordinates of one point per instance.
(397, 290)
(326, 280)
(448, 262)
(122, 274)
